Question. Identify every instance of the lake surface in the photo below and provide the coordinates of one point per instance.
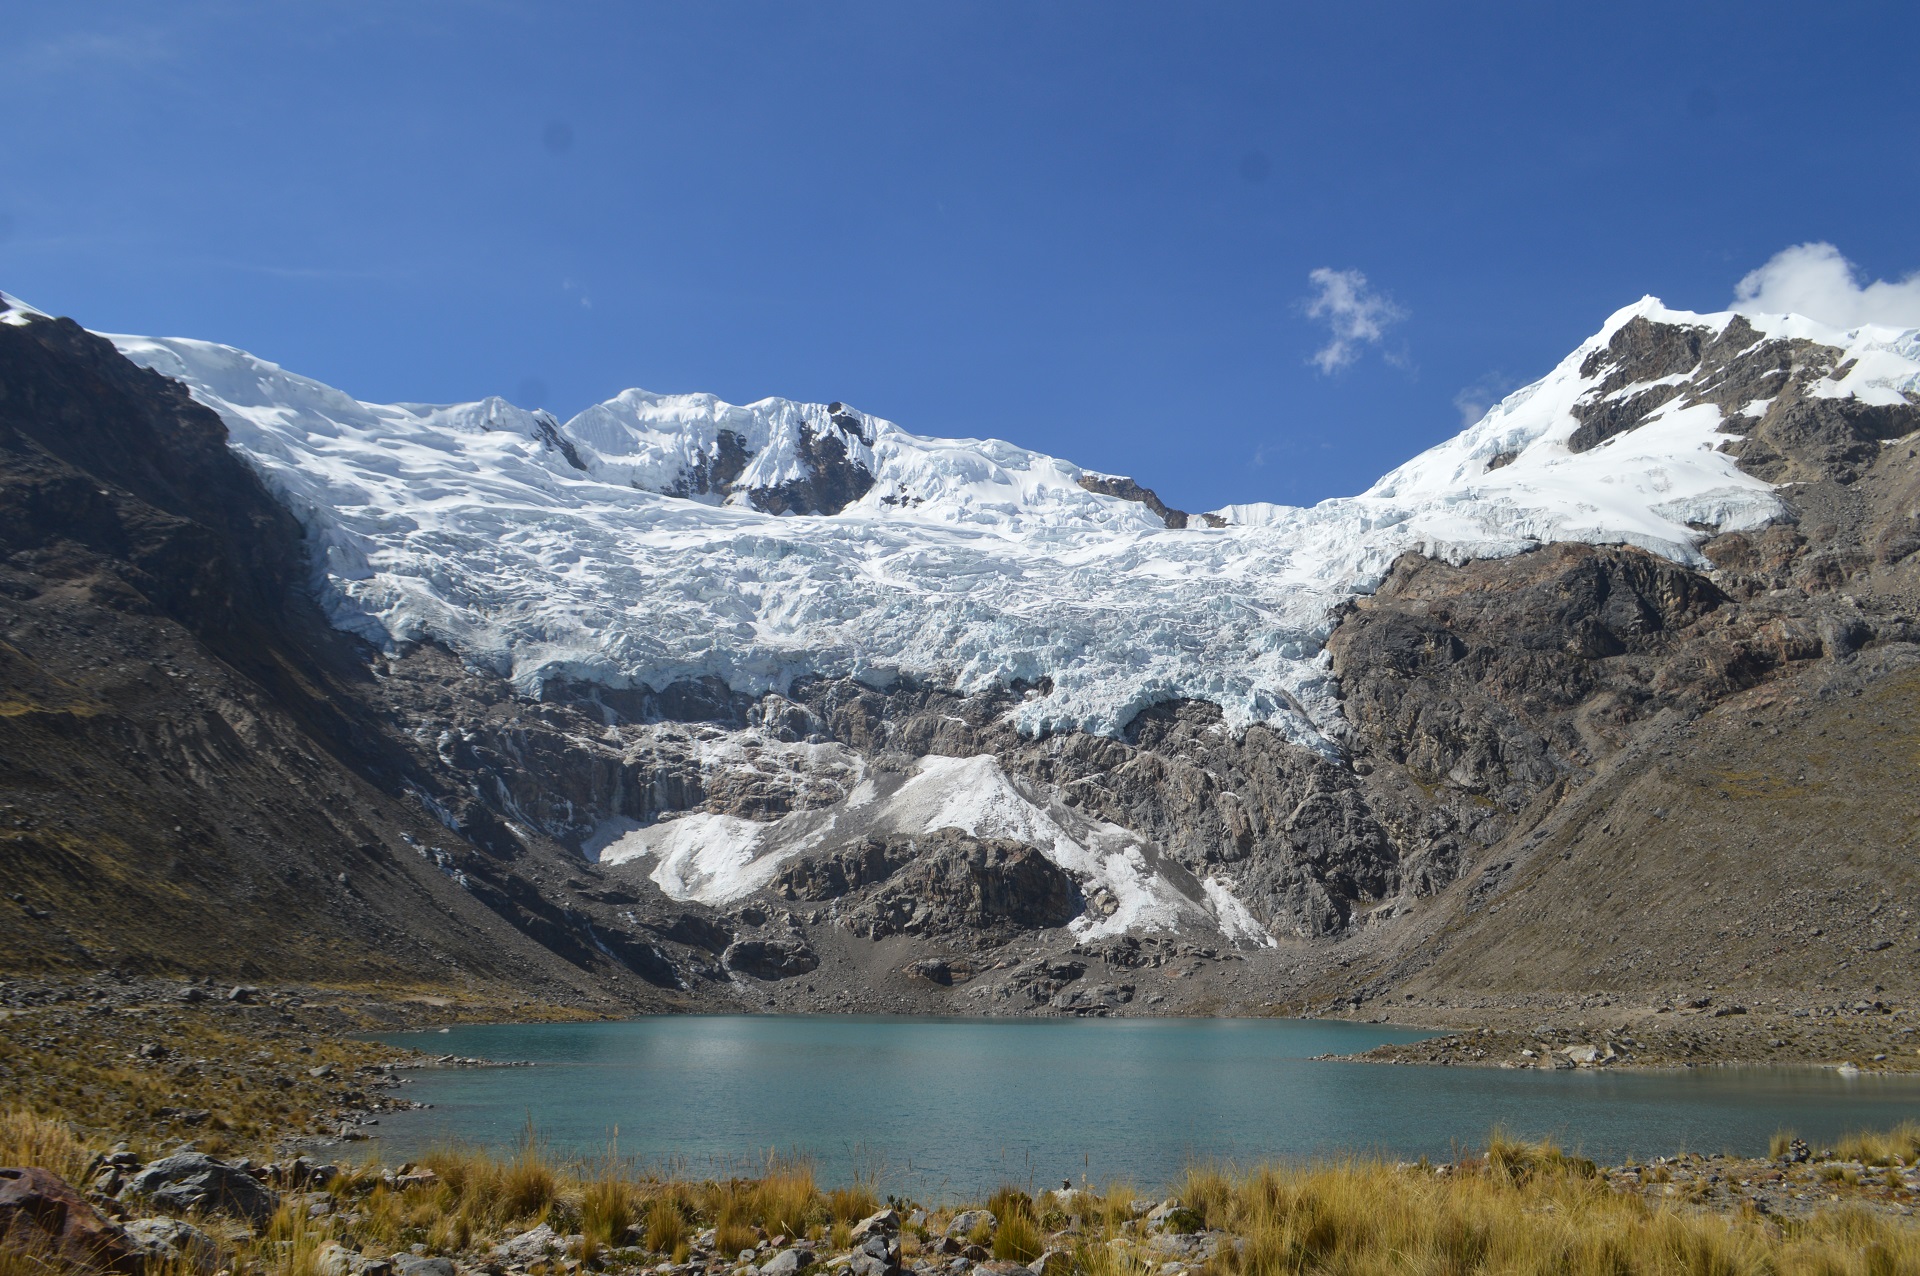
(936, 1108)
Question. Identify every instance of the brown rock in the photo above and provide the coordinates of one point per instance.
(41, 1215)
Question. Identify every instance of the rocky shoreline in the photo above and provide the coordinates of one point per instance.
(191, 1212)
(1861, 1036)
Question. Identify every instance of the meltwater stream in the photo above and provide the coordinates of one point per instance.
(937, 1108)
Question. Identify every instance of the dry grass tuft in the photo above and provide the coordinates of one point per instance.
(27, 1138)
(1873, 1147)
(1018, 1237)
(731, 1205)
(787, 1199)
(666, 1222)
(606, 1212)
(854, 1202)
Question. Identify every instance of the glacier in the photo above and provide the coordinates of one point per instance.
(600, 551)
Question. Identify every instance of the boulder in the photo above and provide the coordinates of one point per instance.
(788, 1262)
(335, 1259)
(769, 958)
(1055, 1262)
(161, 1241)
(1172, 1216)
(302, 1172)
(530, 1246)
(196, 1181)
(966, 1220)
(42, 1215)
(417, 1265)
(885, 1223)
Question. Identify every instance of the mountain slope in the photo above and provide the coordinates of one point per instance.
(190, 777)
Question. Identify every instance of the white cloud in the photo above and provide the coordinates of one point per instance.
(1816, 281)
(1474, 401)
(1355, 314)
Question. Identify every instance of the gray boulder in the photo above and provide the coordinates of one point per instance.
(788, 1262)
(415, 1265)
(161, 1241)
(196, 1181)
(532, 1245)
(335, 1259)
(1055, 1262)
(966, 1220)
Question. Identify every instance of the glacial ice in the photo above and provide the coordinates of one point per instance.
(971, 561)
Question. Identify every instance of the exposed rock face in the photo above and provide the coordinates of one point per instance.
(834, 479)
(1503, 677)
(714, 473)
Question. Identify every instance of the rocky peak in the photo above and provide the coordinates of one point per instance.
(1775, 394)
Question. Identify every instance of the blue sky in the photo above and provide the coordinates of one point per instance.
(1089, 228)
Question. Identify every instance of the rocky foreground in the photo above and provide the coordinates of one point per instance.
(1513, 1207)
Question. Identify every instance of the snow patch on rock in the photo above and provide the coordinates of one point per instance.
(717, 859)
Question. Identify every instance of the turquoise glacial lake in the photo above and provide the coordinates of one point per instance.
(939, 1108)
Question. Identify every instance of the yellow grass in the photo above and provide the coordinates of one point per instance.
(787, 1199)
(1519, 1208)
(852, 1203)
(1018, 1237)
(27, 1138)
(1871, 1147)
(666, 1222)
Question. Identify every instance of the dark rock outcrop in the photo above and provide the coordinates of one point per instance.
(953, 883)
(1128, 490)
(834, 478)
(770, 958)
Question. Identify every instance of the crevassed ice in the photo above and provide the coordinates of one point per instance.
(971, 561)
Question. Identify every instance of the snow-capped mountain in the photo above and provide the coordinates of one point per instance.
(794, 692)
(654, 538)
